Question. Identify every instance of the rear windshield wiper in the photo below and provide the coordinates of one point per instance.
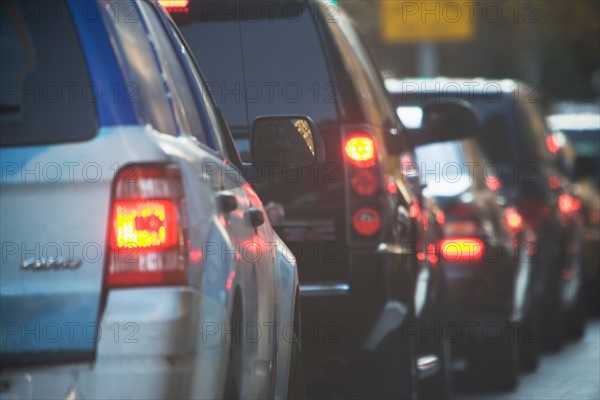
(10, 109)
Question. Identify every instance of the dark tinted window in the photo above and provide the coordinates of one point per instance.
(285, 71)
(183, 100)
(45, 92)
(586, 142)
(143, 73)
(494, 112)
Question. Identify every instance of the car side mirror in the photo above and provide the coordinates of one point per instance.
(288, 140)
(442, 122)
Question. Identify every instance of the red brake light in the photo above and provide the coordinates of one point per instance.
(414, 210)
(145, 225)
(461, 249)
(554, 182)
(433, 257)
(366, 221)
(364, 183)
(514, 221)
(552, 144)
(568, 204)
(492, 182)
(440, 217)
(146, 236)
(360, 150)
(174, 6)
(565, 204)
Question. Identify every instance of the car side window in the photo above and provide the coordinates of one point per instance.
(185, 107)
(144, 79)
(216, 125)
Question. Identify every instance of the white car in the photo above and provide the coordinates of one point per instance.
(137, 261)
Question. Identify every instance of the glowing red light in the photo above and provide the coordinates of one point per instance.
(492, 182)
(366, 221)
(173, 6)
(414, 210)
(391, 186)
(195, 255)
(440, 217)
(552, 144)
(360, 150)
(514, 220)
(565, 203)
(461, 249)
(554, 182)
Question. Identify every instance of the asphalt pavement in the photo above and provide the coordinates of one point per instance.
(572, 373)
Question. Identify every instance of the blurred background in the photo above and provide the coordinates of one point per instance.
(554, 45)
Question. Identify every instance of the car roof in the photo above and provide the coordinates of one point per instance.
(433, 85)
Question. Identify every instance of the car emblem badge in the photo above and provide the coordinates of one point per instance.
(49, 263)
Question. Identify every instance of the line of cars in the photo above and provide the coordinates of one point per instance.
(387, 252)
(400, 259)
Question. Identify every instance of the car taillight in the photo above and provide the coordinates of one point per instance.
(364, 183)
(175, 6)
(552, 144)
(360, 150)
(440, 217)
(366, 221)
(493, 183)
(145, 231)
(554, 182)
(514, 220)
(461, 249)
(568, 204)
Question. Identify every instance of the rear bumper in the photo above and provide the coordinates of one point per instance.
(150, 345)
(344, 322)
(479, 291)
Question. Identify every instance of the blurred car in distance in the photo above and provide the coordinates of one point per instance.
(514, 140)
(484, 255)
(577, 137)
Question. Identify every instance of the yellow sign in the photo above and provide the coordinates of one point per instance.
(405, 21)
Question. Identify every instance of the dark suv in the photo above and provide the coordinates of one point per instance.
(515, 140)
(357, 223)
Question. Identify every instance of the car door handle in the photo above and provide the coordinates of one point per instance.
(228, 202)
(257, 218)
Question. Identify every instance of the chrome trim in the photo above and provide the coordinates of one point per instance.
(335, 289)
(427, 366)
(392, 248)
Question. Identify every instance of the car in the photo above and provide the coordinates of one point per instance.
(356, 221)
(136, 260)
(483, 254)
(576, 136)
(513, 138)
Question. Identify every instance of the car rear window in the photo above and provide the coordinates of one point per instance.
(45, 92)
(443, 168)
(586, 142)
(268, 61)
(493, 111)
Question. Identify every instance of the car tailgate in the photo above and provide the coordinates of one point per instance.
(53, 231)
